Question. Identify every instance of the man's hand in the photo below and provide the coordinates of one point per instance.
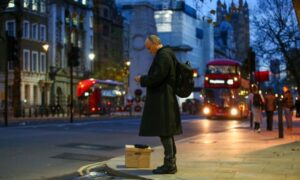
(137, 79)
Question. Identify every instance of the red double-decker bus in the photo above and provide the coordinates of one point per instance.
(225, 91)
(100, 96)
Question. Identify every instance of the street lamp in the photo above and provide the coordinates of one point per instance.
(128, 63)
(46, 47)
(44, 86)
(92, 57)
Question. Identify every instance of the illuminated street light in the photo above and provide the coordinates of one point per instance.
(92, 56)
(46, 47)
(127, 63)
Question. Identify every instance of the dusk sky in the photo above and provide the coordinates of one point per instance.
(211, 4)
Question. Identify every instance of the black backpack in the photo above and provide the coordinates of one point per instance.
(184, 84)
(257, 101)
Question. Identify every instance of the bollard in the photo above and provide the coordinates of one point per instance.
(35, 112)
(280, 123)
(29, 113)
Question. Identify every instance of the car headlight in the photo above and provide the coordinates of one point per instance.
(233, 112)
(206, 110)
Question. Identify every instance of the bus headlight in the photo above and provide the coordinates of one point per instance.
(206, 110)
(230, 82)
(233, 112)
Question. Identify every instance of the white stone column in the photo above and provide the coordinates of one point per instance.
(141, 24)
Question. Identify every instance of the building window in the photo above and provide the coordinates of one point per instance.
(26, 60)
(73, 38)
(81, 21)
(34, 61)
(34, 5)
(84, 2)
(43, 6)
(34, 32)
(163, 21)
(11, 4)
(42, 63)
(10, 26)
(105, 51)
(10, 65)
(199, 33)
(42, 32)
(105, 12)
(91, 22)
(26, 3)
(27, 93)
(92, 42)
(35, 97)
(105, 30)
(75, 19)
(26, 29)
(67, 16)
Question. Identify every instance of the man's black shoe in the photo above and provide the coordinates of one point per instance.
(164, 169)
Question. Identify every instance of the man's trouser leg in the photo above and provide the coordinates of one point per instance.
(169, 166)
(169, 146)
(288, 117)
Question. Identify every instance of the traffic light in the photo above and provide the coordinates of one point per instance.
(73, 56)
(251, 60)
(12, 48)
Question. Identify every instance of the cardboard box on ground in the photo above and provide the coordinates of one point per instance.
(137, 157)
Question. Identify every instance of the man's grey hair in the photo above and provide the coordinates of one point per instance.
(154, 39)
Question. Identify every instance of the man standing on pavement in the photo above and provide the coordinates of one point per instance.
(288, 107)
(161, 115)
(270, 106)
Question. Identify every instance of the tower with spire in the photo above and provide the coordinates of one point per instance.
(238, 16)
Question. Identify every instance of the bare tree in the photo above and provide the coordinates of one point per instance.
(277, 34)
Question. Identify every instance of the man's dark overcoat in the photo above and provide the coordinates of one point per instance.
(161, 115)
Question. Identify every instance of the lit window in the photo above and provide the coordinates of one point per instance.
(163, 21)
(26, 3)
(34, 5)
(43, 6)
(11, 4)
(73, 37)
(75, 19)
(91, 22)
(84, 2)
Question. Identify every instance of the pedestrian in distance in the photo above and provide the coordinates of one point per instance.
(161, 115)
(287, 105)
(270, 107)
(256, 102)
(297, 105)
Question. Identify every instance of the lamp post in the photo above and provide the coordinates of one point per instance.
(92, 57)
(128, 63)
(44, 92)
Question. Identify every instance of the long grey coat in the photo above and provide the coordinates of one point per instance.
(161, 115)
